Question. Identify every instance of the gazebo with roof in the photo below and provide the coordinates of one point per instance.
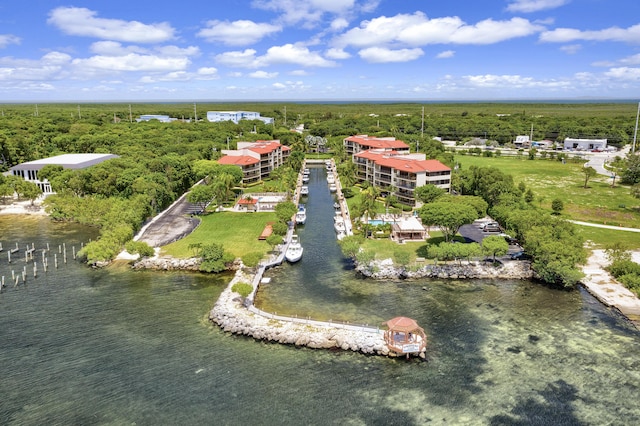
(405, 336)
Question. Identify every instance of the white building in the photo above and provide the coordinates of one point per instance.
(160, 118)
(236, 116)
(29, 170)
(522, 141)
(585, 144)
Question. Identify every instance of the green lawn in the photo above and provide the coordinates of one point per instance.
(238, 233)
(550, 179)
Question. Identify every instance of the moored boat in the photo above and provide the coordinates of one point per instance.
(304, 190)
(294, 250)
(301, 214)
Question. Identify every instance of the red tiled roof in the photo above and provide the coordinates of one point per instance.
(378, 143)
(401, 162)
(238, 160)
(248, 201)
(264, 147)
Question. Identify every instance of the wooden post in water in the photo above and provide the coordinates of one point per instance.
(47, 246)
(9, 255)
(73, 249)
(35, 270)
(55, 260)
(59, 248)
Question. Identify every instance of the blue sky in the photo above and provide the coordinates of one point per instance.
(293, 50)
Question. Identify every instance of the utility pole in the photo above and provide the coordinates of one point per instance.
(635, 133)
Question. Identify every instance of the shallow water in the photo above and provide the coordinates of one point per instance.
(113, 346)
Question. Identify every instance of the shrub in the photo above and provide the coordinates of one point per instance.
(623, 267)
(139, 247)
(242, 288)
(252, 259)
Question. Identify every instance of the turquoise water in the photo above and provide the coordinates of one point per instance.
(113, 346)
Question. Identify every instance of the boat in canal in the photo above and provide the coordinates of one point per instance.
(294, 250)
(301, 214)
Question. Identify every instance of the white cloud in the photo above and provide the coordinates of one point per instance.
(624, 73)
(286, 54)
(244, 59)
(132, 62)
(571, 48)
(565, 35)
(7, 39)
(417, 30)
(631, 60)
(528, 6)
(237, 33)
(334, 53)
(299, 72)
(310, 12)
(80, 21)
(263, 74)
(514, 82)
(339, 24)
(291, 86)
(382, 54)
(446, 54)
(114, 48)
(49, 67)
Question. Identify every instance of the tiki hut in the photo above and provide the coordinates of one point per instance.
(404, 336)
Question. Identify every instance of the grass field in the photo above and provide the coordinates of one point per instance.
(238, 233)
(598, 203)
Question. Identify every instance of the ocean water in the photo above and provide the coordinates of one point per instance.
(114, 346)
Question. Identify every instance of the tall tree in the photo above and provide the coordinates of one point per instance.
(448, 217)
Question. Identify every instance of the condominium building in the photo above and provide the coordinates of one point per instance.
(359, 143)
(236, 116)
(256, 159)
(401, 173)
(29, 170)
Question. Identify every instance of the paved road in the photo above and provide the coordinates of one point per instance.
(174, 223)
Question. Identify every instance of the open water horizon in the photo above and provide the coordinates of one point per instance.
(115, 346)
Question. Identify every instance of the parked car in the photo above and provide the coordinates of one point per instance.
(491, 227)
(520, 255)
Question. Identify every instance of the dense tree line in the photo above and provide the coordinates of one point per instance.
(160, 161)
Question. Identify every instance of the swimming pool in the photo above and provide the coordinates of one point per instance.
(379, 222)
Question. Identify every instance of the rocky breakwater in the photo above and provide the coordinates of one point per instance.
(386, 270)
(168, 263)
(236, 315)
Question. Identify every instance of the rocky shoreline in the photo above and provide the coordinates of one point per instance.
(385, 270)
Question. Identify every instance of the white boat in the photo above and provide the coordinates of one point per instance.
(294, 250)
(304, 190)
(338, 224)
(340, 235)
(333, 187)
(301, 214)
(330, 179)
(305, 178)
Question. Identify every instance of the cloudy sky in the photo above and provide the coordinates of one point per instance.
(295, 50)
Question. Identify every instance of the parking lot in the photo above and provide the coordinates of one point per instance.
(474, 233)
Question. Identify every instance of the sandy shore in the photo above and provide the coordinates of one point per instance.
(24, 208)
